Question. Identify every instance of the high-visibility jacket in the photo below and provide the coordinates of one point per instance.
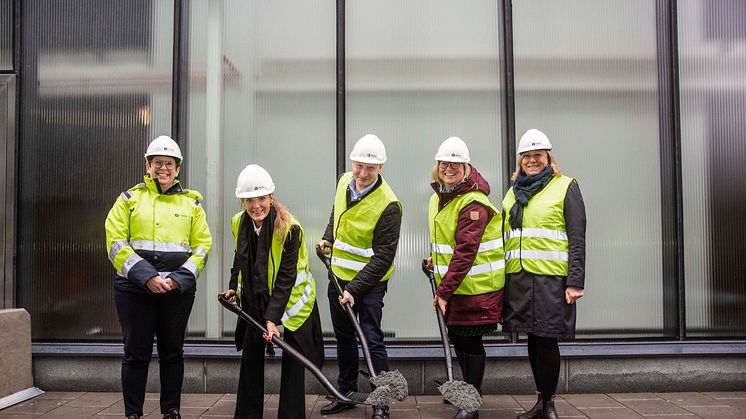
(303, 295)
(150, 233)
(487, 272)
(541, 245)
(353, 228)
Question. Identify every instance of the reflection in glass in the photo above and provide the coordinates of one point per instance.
(97, 88)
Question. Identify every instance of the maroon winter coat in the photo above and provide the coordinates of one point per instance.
(468, 310)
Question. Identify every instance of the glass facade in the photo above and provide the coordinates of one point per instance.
(713, 119)
(6, 35)
(262, 86)
(97, 87)
(593, 91)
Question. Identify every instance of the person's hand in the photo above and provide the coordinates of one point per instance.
(429, 263)
(573, 294)
(171, 283)
(230, 295)
(346, 297)
(158, 285)
(272, 329)
(325, 246)
(439, 303)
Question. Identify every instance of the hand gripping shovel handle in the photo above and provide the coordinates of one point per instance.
(351, 314)
(286, 349)
(441, 324)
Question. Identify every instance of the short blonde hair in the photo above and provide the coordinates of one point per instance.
(552, 162)
(435, 172)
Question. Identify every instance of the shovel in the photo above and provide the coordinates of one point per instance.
(459, 393)
(287, 349)
(389, 385)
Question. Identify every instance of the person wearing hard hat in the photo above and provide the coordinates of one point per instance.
(544, 233)
(272, 281)
(158, 241)
(362, 237)
(467, 257)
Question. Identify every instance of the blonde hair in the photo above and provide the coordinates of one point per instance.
(283, 220)
(552, 162)
(434, 175)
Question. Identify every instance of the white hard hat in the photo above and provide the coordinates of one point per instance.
(164, 146)
(254, 181)
(369, 149)
(453, 149)
(533, 139)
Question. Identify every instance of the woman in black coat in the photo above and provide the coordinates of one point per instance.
(544, 234)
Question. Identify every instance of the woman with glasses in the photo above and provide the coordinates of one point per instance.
(467, 257)
(272, 282)
(158, 242)
(545, 262)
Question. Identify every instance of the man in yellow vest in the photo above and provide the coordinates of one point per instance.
(362, 237)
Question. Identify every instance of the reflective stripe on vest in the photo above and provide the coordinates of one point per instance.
(303, 295)
(541, 245)
(487, 271)
(353, 228)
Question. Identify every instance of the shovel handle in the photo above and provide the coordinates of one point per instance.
(350, 313)
(286, 349)
(441, 323)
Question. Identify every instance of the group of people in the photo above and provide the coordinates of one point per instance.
(521, 265)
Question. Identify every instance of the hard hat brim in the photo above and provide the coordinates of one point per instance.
(535, 147)
(367, 160)
(254, 194)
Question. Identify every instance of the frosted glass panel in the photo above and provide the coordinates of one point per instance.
(6, 34)
(96, 88)
(585, 74)
(712, 58)
(262, 91)
(417, 73)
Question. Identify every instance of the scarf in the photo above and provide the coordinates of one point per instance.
(524, 188)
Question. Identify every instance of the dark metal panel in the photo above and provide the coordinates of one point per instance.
(341, 127)
(7, 187)
(674, 322)
(507, 88)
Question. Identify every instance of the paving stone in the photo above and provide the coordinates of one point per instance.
(584, 401)
(655, 407)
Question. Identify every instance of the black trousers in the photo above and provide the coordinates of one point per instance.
(369, 310)
(250, 397)
(143, 317)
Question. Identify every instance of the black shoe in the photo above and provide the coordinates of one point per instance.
(336, 406)
(535, 412)
(463, 414)
(172, 413)
(380, 412)
(549, 412)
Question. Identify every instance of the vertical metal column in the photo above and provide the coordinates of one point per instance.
(507, 88)
(341, 127)
(672, 218)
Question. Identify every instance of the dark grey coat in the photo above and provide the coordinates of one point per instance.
(536, 303)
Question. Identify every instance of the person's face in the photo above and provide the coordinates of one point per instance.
(365, 174)
(164, 170)
(450, 173)
(257, 208)
(534, 161)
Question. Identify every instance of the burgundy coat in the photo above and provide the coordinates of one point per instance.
(468, 310)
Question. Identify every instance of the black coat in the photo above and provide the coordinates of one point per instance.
(308, 338)
(536, 303)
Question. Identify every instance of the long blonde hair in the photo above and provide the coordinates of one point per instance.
(283, 219)
(552, 162)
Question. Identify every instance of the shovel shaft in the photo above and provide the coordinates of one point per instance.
(441, 324)
(286, 349)
(350, 314)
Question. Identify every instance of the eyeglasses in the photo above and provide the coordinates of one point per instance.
(158, 164)
(445, 164)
